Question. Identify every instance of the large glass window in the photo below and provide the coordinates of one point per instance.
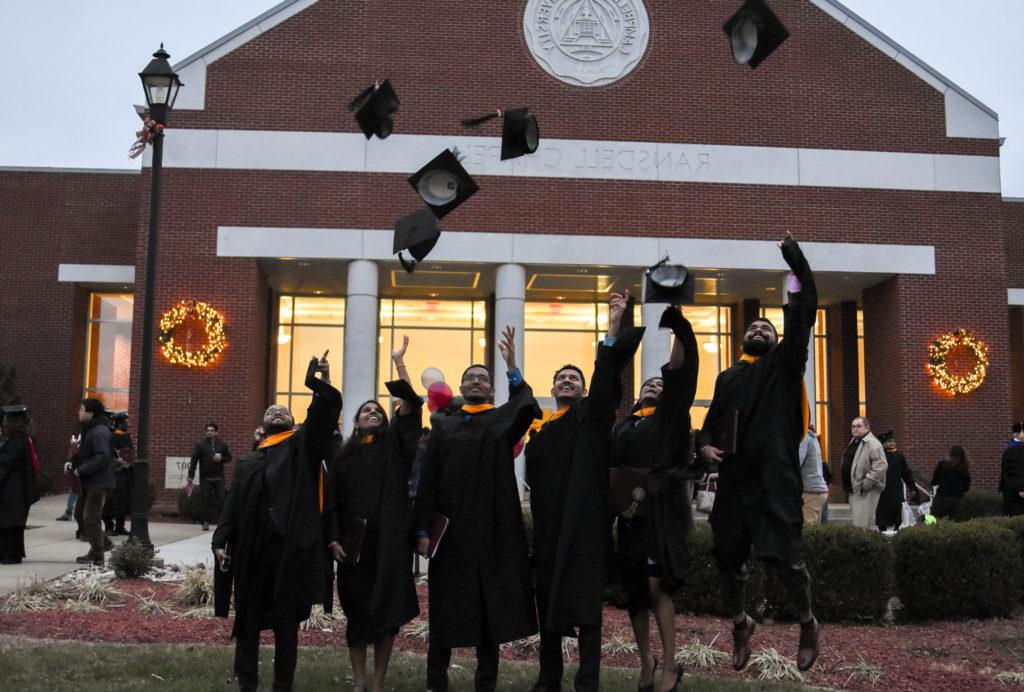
(306, 327)
(445, 334)
(108, 352)
(712, 327)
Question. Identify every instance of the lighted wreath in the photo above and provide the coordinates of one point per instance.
(938, 369)
(176, 329)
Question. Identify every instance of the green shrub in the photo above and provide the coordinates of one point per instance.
(701, 591)
(1016, 525)
(957, 570)
(190, 508)
(851, 574)
(130, 560)
(979, 503)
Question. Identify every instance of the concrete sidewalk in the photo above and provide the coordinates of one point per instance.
(51, 546)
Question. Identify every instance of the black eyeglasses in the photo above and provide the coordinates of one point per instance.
(477, 377)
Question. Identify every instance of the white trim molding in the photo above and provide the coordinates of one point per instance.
(96, 273)
(591, 159)
(543, 249)
(1015, 296)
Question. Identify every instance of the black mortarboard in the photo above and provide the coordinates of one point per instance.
(886, 436)
(520, 134)
(443, 184)
(754, 33)
(1018, 428)
(418, 233)
(14, 410)
(374, 109)
(669, 283)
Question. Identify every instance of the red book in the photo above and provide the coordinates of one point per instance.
(437, 531)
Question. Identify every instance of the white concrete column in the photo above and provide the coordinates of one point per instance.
(509, 309)
(360, 366)
(657, 344)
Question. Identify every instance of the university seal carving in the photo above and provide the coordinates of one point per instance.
(586, 42)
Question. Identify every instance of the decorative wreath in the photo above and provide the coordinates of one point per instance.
(192, 357)
(940, 349)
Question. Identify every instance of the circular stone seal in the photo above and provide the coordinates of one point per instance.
(586, 42)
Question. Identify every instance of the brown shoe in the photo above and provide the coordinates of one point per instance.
(807, 654)
(90, 559)
(741, 643)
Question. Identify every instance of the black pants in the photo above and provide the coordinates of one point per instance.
(438, 658)
(88, 510)
(12, 545)
(247, 654)
(212, 493)
(589, 674)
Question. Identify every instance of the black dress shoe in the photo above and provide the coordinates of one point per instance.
(90, 560)
(64, 517)
(741, 643)
(807, 654)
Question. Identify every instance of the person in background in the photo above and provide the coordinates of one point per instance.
(815, 489)
(953, 478)
(1011, 477)
(210, 453)
(19, 468)
(889, 514)
(94, 466)
(119, 502)
(863, 473)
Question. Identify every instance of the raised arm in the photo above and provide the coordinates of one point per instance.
(613, 355)
(322, 414)
(398, 357)
(521, 408)
(801, 307)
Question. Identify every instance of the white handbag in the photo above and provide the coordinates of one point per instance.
(706, 498)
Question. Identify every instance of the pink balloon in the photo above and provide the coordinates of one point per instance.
(439, 395)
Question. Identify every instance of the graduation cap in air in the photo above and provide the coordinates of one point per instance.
(418, 233)
(669, 283)
(443, 184)
(520, 134)
(14, 410)
(754, 33)
(374, 108)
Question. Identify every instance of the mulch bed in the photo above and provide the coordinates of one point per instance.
(937, 656)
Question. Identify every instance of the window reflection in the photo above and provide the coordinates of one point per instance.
(109, 348)
(308, 326)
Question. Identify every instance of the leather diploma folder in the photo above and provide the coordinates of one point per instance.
(352, 531)
(725, 431)
(437, 530)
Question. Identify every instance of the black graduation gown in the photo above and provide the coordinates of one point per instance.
(567, 471)
(1011, 480)
(17, 481)
(370, 481)
(278, 575)
(890, 503)
(760, 486)
(661, 442)
(119, 502)
(480, 585)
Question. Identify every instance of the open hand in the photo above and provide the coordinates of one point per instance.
(617, 305)
(789, 236)
(507, 347)
(399, 354)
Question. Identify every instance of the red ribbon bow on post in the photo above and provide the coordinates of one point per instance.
(150, 129)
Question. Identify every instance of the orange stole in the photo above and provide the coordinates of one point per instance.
(477, 408)
(274, 440)
(644, 412)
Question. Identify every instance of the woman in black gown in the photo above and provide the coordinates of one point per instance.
(952, 477)
(369, 478)
(651, 540)
(17, 483)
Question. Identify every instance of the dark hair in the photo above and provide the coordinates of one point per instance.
(766, 321)
(214, 426)
(355, 419)
(867, 423)
(476, 365)
(94, 406)
(957, 459)
(570, 366)
(16, 423)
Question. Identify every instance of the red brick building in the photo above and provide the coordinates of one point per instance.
(277, 212)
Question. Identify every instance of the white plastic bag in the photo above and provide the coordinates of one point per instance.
(909, 517)
(706, 498)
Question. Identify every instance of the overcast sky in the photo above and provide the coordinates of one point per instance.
(70, 66)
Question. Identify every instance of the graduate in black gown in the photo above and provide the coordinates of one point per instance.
(651, 537)
(889, 514)
(19, 469)
(567, 471)
(481, 593)
(369, 483)
(269, 542)
(759, 499)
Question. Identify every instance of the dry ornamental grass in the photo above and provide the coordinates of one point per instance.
(863, 671)
(1010, 677)
(700, 656)
(771, 665)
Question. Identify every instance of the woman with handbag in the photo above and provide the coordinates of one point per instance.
(652, 531)
(953, 478)
(368, 526)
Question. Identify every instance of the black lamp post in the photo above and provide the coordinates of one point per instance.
(161, 84)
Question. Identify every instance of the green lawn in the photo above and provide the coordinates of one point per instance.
(53, 666)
